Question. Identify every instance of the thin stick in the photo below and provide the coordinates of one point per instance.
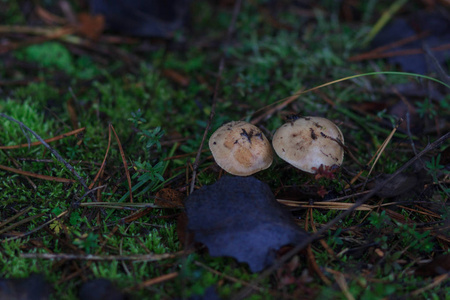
(23, 221)
(18, 166)
(53, 139)
(124, 160)
(376, 156)
(325, 205)
(396, 44)
(104, 160)
(340, 280)
(436, 281)
(300, 92)
(273, 110)
(386, 16)
(381, 149)
(154, 281)
(137, 257)
(36, 229)
(20, 213)
(236, 10)
(39, 176)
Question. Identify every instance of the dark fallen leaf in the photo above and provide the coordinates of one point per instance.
(400, 109)
(414, 90)
(142, 17)
(445, 157)
(369, 107)
(434, 26)
(299, 193)
(100, 289)
(399, 185)
(32, 288)
(185, 237)
(239, 217)
(439, 265)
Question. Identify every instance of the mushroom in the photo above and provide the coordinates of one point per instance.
(308, 142)
(240, 148)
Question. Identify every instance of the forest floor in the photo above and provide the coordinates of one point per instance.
(126, 119)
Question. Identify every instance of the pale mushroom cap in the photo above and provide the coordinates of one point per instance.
(240, 148)
(309, 142)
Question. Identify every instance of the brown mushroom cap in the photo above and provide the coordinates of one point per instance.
(240, 148)
(309, 142)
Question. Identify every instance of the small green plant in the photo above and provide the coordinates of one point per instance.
(384, 115)
(152, 174)
(149, 137)
(412, 239)
(434, 165)
(379, 220)
(86, 241)
(426, 108)
(198, 278)
(74, 218)
(334, 239)
(148, 174)
(405, 234)
(434, 168)
(382, 241)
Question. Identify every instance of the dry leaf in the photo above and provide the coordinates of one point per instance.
(91, 26)
(239, 217)
(169, 198)
(438, 266)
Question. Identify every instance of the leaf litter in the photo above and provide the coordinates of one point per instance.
(239, 217)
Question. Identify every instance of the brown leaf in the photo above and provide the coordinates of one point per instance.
(439, 265)
(71, 109)
(48, 17)
(169, 198)
(185, 236)
(91, 26)
(176, 76)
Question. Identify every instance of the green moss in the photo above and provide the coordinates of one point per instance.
(48, 55)
(30, 113)
(40, 93)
